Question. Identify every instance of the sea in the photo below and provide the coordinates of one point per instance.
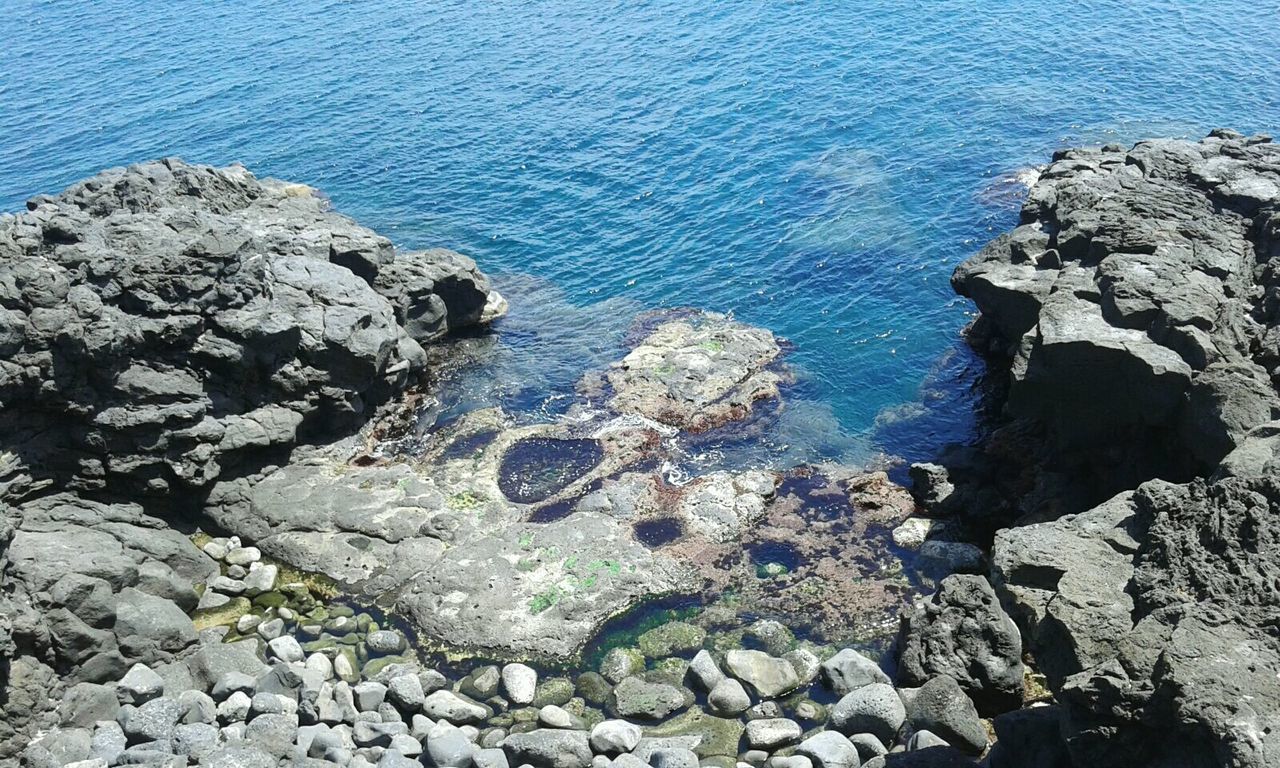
(816, 168)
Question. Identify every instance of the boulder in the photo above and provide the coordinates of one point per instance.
(964, 633)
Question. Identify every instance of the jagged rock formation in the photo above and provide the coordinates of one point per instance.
(163, 326)
(1139, 301)
(162, 321)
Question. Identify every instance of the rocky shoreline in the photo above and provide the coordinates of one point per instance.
(226, 541)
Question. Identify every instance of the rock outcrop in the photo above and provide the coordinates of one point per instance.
(163, 321)
(164, 326)
(1139, 300)
(1139, 306)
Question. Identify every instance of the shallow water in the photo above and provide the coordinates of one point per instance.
(814, 168)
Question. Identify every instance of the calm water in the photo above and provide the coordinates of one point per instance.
(817, 168)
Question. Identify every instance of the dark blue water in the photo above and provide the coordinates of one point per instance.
(817, 168)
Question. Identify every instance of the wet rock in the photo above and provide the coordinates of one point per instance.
(621, 663)
(671, 639)
(445, 705)
(696, 373)
(638, 699)
(705, 671)
(768, 676)
(728, 698)
(964, 633)
(536, 468)
(772, 733)
(849, 670)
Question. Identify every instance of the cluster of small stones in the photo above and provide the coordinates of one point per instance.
(357, 696)
(252, 599)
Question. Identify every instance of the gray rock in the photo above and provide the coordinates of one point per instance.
(199, 707)
(239, 756)
(272, 704)
(519, 682)
(233, 681)
(108, 741)
(705, 671)
(151, 627)
(370, 734)
(828, 749)
(235, 708)
(385, 641)
(964, 633)
(728, 698)
(84, 704)
(941, 706)
(152, 721)
(552, 716)
(405, 691)
(639, 699)
(868, 746)
(213, 660)
(448, 747)
(273, 733)
(195, 739)
(772, 733)
(768, 676)
(924, 740)
(490, 758)
(261, 578)
(369, 695)
(549, 748)
(849, 670)
(446, 705)
(874, 709)
(139, 685)
(673, 757)
(612, 737)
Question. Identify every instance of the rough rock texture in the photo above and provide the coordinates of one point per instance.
(161, 326)
(162, 321)
(961, 631)
(1140, 302)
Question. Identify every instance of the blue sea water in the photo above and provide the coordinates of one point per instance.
(818, 168)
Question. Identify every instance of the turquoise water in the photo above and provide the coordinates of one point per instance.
(816, 168)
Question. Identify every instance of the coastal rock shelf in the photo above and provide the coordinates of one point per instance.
(1138, 304)
(522, 540)
(188, 348)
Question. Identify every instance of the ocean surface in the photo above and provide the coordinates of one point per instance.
(817, 168)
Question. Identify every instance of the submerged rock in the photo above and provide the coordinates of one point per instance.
(696, 372)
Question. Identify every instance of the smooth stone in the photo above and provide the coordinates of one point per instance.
(520, 682)
(773, 733)
(614, 736)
